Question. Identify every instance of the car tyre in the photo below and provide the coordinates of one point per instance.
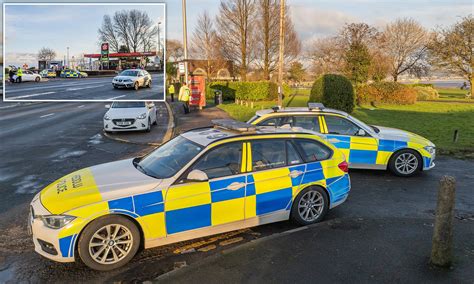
(405, 163)
(148, 127)
(136, 86)
(37, 79)
(123, 242)
(148, 85)
(310, 206)
(115, 87)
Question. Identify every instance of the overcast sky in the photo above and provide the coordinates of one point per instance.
(312, 18)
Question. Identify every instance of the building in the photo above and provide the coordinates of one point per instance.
(126, 60)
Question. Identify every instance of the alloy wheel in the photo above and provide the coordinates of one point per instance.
(311, 205)
(110, 244)
(406, 163)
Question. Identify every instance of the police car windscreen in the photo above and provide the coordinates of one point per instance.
(129, 73)
(128, 104)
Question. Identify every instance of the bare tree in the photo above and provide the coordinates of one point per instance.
(107, 33)
(404, 42)
(133, 29)
(326, 55)
(267, 39)
(452, 48)
(357, 34)
(47, 54)
(205, 44)
(236, 23)
(174, 50)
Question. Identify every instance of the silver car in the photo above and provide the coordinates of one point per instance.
(132, 78)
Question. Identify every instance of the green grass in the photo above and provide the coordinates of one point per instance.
(453, 93)
(436, 121)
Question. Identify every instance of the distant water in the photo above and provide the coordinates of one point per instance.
(443, 83)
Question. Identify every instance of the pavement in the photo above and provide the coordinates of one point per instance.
(381, 234)
(84, 89)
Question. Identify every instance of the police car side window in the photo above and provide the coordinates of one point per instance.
(313, 151)
(306, 122)
(268, 154)
(292, 155)
(270, 122)
(222, 161)
(341, 126)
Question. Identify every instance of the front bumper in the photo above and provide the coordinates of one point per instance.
(428, 159)
(49, 242)
(123, 84)
(135, 125)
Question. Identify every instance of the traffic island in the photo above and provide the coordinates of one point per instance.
(159, 133)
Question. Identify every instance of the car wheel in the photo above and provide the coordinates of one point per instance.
(148, 127)
(155, 122)
(405, 163)
(136, 86)
(108, 242)
(148, 85)
(115, 87)
(310, 206)
(37, 79)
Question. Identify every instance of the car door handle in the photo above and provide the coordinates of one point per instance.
(295, 174)
(235, 186)
(334, 140)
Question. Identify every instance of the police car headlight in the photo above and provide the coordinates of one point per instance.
(56, 221)
(430, 149)
(142, 116)
(106, 117)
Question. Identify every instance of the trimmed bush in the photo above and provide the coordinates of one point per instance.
(421, 85)
(426, 93)
(334, 91)
(386, 92)
(247, 91)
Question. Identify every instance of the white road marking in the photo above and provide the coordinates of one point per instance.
(111, 99)
(46, 115)
(32, 95)
(82, 88)
(50, 87)
(81, 106)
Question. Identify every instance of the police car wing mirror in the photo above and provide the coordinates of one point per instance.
(197, 175)
(361, 132)
(107, 106)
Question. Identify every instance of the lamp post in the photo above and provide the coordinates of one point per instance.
(158, 42)
(185, 42)
(68, 57)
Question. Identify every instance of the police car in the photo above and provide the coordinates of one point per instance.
(48, 73)
(365, 146)
(205, 181)
(69, 73)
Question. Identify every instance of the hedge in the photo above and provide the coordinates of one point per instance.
(248, 91)
(386, 92)
(334, 91)
(426, 93)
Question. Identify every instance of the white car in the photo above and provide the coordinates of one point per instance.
(132, 78)
(28, 76)
(130, 116)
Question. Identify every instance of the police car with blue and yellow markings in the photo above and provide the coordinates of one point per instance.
(70, 73)
(203, 182)
(365, 146)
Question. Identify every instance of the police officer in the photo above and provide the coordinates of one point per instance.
(19, 74)
(171, 91)
(184, 96)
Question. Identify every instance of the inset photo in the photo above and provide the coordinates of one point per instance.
(84, 52)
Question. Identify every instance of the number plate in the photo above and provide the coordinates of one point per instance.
(124, 123)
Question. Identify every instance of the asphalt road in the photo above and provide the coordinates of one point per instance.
(84, 89)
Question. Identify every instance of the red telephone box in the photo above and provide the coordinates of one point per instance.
(197, 84)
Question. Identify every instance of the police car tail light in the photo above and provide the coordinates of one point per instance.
(56, 221)
(344, 166)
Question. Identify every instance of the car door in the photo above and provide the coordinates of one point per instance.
(269, 185)
(219, 200)
(27, 76)
(358, 146)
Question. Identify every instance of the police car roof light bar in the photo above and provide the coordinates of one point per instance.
(233, 125)
(315, 106)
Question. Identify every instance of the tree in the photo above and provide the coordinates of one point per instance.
(356, 34)
(47, 54)
(326, 55)
(358, 61)
(235, 25)
(133, 28)
(404, 42)
(267, 39)
(452, 48)
(205, 44)
(174, 50)
(296, 72)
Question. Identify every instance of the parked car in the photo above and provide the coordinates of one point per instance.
(365, 146)
(70, 73)
(48, 73)
(205, 181)
(132, 78)
(28, 76)
(130, 116)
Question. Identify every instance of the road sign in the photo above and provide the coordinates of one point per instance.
(181, 68)
(104, 51)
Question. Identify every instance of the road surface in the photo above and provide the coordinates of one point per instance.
(84, 89)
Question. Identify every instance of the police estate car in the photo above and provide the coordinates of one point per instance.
(205, 181)
(365, 146)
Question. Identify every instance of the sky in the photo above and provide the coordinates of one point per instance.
(312, 18)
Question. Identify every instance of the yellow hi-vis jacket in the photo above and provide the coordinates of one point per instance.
(171, 89)
(184, 93)
(19, 72)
